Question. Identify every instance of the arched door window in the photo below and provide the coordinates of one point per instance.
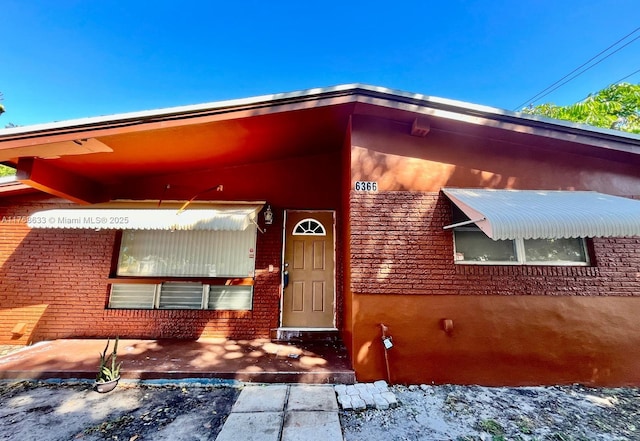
(309, 227)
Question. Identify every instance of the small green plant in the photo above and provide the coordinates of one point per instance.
(525, 425)
(492, 427)
(109, 368)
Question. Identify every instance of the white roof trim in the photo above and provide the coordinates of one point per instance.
(222, 218)
(416, 99)
(544, 214)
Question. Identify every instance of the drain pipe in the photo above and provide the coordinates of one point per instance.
(387, 342)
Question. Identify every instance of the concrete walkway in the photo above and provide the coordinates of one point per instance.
(284, 413)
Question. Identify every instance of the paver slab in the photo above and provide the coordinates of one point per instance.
(251, 426)
(303, 397)
(261, 399)
(312, 426)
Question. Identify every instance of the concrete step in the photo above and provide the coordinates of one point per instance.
(306, 336)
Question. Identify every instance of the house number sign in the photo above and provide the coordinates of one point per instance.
(366, 186)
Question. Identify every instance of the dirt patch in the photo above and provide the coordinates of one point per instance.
(45, 411)
(472, 413)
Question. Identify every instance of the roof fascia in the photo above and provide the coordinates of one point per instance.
(319, 97)
(487, 111)
(176, 116)
(505, 120)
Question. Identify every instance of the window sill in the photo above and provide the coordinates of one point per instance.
(249, 281)
(497, 263)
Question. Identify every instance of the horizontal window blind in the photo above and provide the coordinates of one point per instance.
(230, 297)
(125, 296)
(181, 295)
(195, 253)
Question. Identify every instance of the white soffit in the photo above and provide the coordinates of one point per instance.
(222, 218)
(543, 214)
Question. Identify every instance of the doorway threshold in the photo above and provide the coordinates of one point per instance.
(305, 334)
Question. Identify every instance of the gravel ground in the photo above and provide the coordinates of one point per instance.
(471, 413)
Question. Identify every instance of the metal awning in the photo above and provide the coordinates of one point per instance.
(543, 214)
(138, 217)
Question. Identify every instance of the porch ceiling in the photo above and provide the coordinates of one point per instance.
(63, 169)
(221, 143)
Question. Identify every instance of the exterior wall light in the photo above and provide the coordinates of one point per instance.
(268, 215)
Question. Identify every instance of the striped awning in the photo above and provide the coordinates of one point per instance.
(543, 214)
(220, 218)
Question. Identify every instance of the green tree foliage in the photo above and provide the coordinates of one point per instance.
(615, 107)
(6, 171)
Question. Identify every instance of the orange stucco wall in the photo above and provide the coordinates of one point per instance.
(513, 325)
(499, 340)
(385, 152)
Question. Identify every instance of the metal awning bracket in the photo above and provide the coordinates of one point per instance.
(461, 224)
(256, 224)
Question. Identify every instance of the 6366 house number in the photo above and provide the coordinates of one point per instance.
(366, 186)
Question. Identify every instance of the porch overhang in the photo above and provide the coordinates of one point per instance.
(141, 216)
(545, 214)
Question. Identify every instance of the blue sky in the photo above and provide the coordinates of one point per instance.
(69, 59)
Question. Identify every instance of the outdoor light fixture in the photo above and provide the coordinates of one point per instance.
(420, 127)
(268, 215)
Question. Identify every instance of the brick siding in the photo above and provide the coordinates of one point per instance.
(55, 281)
(398, 246)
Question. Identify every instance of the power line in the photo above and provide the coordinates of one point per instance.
(542, 93)
(615, 82)
(579, 67)
(586, 69)
(625, 77)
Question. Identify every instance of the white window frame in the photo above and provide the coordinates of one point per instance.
(520, 254)
(306, 232)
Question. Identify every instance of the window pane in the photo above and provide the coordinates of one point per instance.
(309, 227)
(125, 296)
(181, 295)
(477, 246)
(188, 253)
(230, 297)
(555, 250)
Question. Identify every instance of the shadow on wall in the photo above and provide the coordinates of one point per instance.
(397, 241)
(26, 320)
(53, 274)
(397, 173)
(40, 275)
(383, 151)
